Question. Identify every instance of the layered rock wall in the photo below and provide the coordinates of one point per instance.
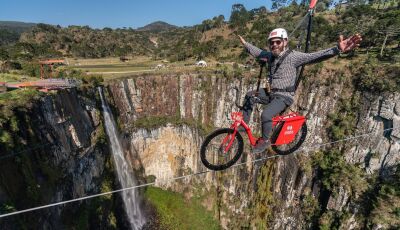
(171, 151)
(60, 154)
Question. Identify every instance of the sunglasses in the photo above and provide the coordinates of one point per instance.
(277, 42)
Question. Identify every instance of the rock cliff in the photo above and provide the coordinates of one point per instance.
(284, 193)
(345, 176)
(58, 151)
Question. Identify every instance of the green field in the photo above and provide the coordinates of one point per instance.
(14, 77)
(176, 212)
(111, 68)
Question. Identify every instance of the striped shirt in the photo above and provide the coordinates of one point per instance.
(285, 76)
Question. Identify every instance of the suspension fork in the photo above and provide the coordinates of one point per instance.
(231, 137)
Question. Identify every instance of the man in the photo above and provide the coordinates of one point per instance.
(283, 64)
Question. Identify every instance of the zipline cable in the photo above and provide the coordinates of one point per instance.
(314, 147)
(178, 178)
(299, 24)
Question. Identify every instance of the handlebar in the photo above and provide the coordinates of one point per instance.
(254, 98)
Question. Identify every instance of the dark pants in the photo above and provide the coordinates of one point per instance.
(275, 105)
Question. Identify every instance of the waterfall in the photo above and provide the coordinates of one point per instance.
(124, 170)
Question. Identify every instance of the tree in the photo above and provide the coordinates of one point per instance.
(219, 21)
(107, 29)
(323, 5)
(239, 16)
(3, 54)
(46, 28)
(258, 11)
(207, 25)
(277, 4)
(7, 37)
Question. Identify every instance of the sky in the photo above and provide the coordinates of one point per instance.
(119, 13)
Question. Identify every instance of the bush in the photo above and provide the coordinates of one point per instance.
(343, 121)
(336, 171)
(377, 78)
(175, 212)
(384, 202)
(31, 69)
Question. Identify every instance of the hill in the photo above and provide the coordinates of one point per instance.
(213, 39)
(18, 27)
(10, 31)
(157, 26)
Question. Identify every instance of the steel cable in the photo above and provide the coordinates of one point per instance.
(180, 177)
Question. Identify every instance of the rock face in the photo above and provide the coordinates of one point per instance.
(61, 158)
(62, 153)
(172, 150)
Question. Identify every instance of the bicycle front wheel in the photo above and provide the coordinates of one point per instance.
(221, 149)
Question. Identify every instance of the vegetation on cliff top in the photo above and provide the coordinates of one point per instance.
(9, 103)
(214, 38)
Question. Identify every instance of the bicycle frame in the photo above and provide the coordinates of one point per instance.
(237, 117)
(285, 129)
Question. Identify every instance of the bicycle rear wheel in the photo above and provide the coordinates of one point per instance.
(294, 145)
(215, 152)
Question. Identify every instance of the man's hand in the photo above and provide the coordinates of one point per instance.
(345, 45)
(242, 40)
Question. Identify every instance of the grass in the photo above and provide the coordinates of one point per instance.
(104, 69)
(9, 102)
(17, 98)
(14, 77)
(113, 68)
(175, 212)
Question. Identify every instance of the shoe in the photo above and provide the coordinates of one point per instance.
(261, 146)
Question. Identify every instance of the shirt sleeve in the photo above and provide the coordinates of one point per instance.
(259, 54)
(300, 59)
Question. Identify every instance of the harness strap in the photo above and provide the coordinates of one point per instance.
(281, 59)
(288, 89)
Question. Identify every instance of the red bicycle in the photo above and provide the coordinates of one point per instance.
(223, 147)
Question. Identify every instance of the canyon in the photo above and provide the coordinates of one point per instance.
(162, 120)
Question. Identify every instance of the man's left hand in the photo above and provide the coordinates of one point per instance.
(345, 45)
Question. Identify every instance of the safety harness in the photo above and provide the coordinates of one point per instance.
(278, 64)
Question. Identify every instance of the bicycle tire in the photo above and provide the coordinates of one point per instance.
(298, 141)
(214, 136)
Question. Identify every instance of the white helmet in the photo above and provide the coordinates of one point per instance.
(278, 33)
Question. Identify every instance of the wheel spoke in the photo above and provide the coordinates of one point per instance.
(221, 149)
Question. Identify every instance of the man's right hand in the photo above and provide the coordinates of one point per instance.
(242, 39)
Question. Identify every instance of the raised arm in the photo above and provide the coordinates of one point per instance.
(344, 46)
(254, 51)
(300, 59)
